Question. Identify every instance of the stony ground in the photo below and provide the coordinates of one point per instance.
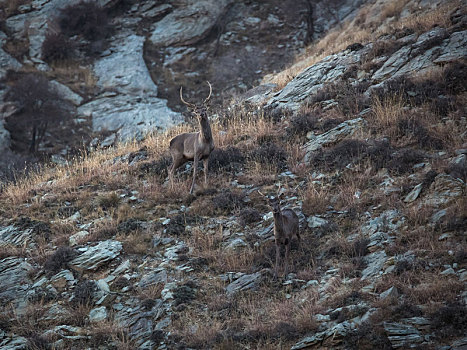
(101, 253)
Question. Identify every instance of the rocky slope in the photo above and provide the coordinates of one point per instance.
(367, 145)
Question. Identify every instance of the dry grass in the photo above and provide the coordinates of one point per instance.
(315, 198)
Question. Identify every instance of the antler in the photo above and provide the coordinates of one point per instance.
(210, 92)
(181, 98)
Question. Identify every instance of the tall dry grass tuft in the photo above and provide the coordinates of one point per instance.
(386, 112)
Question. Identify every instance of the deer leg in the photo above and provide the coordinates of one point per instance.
(195, 168)
(287, 250)
(278, 253)
(206, 164)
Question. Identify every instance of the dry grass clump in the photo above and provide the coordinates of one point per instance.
(59, 259)
(315, 199)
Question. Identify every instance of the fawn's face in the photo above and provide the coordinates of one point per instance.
(275, 204)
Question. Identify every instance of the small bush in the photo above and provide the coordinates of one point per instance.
(129, 225)
(184, 294)
(57, 47)
(458, 170)
(383, 48)
(38, 342)
(248, 216)
(84, 18)
(230, 159)
(157, 168)
(403, 161)
(409, 126)
(84, 293)
(270, 153)
(449, 321)
(349, 97)
(227, 201)
(301, 124)
(339, 156)
(109, 201)
(59, 260)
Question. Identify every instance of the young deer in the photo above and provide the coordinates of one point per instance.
(193, 146)
(286, 225)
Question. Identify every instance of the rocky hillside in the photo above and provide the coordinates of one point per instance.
(118, 64)
(367, 144)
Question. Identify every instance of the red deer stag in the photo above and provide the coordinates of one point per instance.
(193, 146)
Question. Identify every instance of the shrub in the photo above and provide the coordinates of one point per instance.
(248, 216)
(129, 225)
(157, 168)
(349, 97)
(404, 160)
(227, 201)
(56, 47)
(270, 153)
(84, 292)
(29, 125)
(409, 126)
(301, 124)
(458, 170)
(229, 159)
(59, 260)
(84, 18)
(108, 201)
(345, 152)
(449, 321)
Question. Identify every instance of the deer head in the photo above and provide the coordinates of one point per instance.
(199, 111)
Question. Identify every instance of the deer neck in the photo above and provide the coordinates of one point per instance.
(278, 220)
(205, 131)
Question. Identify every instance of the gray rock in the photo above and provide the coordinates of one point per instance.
(415, 58)
(330, 69)
(13, 342)
(347, 128)
(5, 137)
(330, 338)
(388, 221)
(14, 281)
(413, 195)
(375, 263)
(98, 314)
(454, 48)
(235, 243)
(7, 62)
(66, 93)
(154, 277)
(189, 23)
(443, 191)
(74, 239)
(316, 222)
(133, 109)
(98, 255)
(63, 279)
(448, 271)
(391, 293)
(460, 344)
(15, 236)
(245, 282)
(33, 25)
(402, 335)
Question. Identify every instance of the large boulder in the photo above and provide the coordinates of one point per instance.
(133, 108)
(94, 257)
(188, 24)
